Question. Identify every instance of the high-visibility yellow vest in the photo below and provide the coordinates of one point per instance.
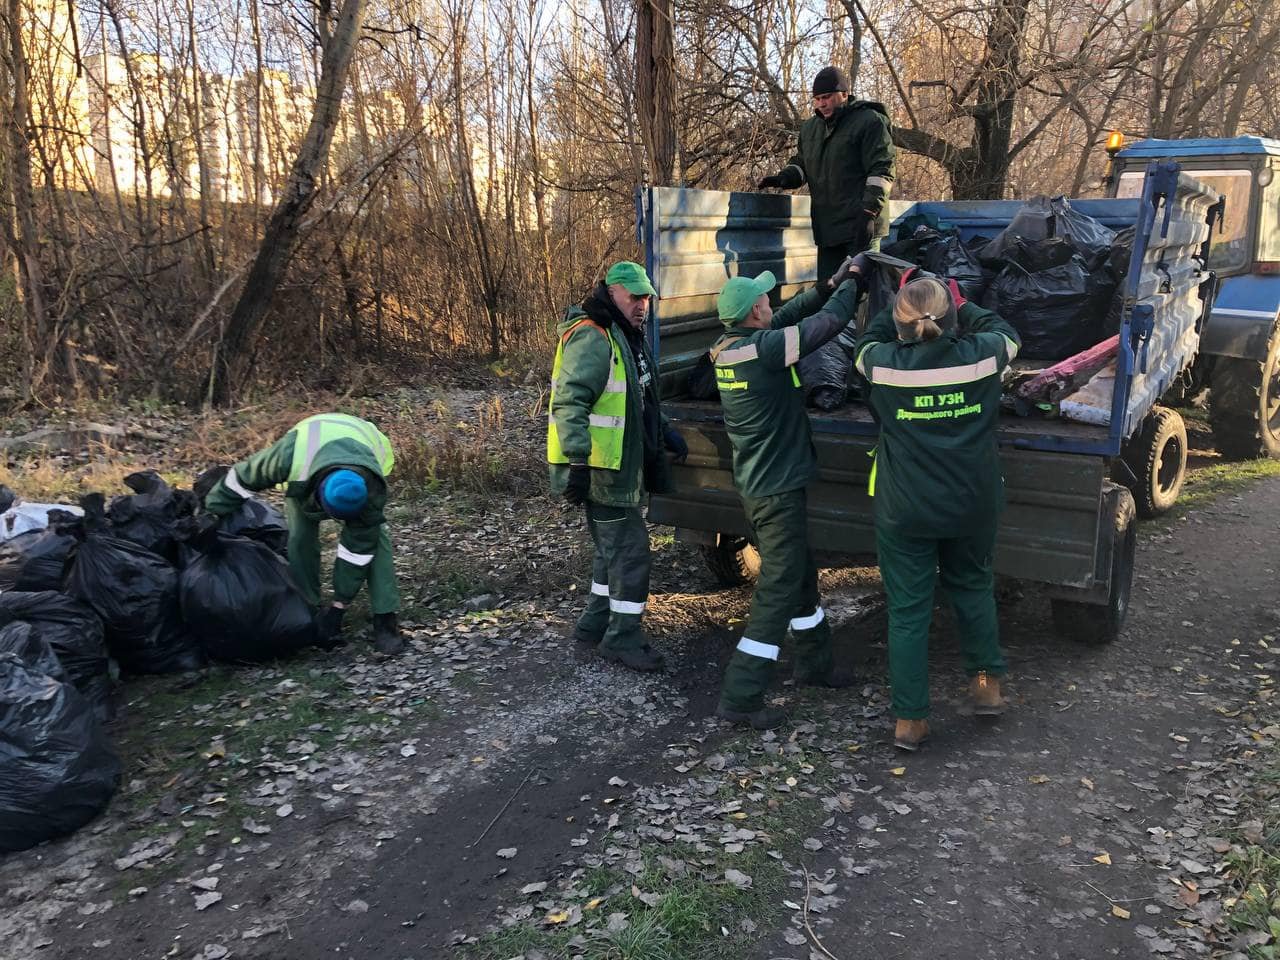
(314, 432)
(608, 419)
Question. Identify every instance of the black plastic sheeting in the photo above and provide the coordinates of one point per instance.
(241, 601)
(37, 560)
(258, 521)
(146, 516)
(57, 770)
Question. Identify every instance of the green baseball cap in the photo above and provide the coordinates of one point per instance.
(632, 276)
(739, 295)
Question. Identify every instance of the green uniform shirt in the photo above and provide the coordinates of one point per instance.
(358, 542)
(760, 391)
(937, 470)
(848, 163)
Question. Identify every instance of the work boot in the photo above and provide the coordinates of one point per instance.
(985, 691)
(766, 718)
(833, 678)
(909, 734)
(586, 638)
(386, 634)
(644, 659)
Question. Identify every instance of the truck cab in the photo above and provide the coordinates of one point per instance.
(1239, 359)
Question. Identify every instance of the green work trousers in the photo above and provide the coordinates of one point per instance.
(909, 567)
(786, 595)
(619, 578)
(830, 258)
(304, 559)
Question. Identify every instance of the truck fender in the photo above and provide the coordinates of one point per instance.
(1242, 318)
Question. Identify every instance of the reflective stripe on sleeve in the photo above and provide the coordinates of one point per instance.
(600, 589)
(233, 484)
(861, 362)
(1010, 348)
(884, 183)
(765, 651)
(355, 559)
(791, 337)
(936, 376)
(809, 622)
(600, 420)
(626, 606)
(312, 445)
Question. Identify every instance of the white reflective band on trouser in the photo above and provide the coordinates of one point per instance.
(355, 559)
(626, 606)
(600, 420)
(235, 486)
(600, 589)
(884, 183)
(809, 622)
(791, 338)
(765, 651)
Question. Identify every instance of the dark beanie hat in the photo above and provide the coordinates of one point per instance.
(829, 80)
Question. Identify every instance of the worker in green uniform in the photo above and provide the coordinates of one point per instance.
(334, 467)
(773, 462)
(607, 445)
(846, 156)
(933, 364)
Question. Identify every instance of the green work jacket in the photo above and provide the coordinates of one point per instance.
(937, 467)
(848, 163)
(369, 453)
(585, 368)
(760, 391)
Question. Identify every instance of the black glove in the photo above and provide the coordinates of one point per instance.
(579, 485)
(329, 628)
(205, 483)
(773, 181)
(676, 445)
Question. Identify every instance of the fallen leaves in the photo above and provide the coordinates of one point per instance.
(1120, 912)
(1038, 778)
(898, 771)
(1103, 858)
(739, 879)
(507, 853)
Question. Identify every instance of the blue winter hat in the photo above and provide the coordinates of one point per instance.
(343, 494)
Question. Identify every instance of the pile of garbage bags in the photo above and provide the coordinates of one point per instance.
(142, 585)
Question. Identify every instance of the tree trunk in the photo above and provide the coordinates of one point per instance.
(26, 238)
(656, 88)
(299, 193)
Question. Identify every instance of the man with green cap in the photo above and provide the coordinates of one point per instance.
(333, 467)
(773, 462)
(606, 445)
(846, 156)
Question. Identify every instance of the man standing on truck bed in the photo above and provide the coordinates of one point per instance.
(773, 462)
(334, 467)
(933, 362)
(845, 154)
(605, 445)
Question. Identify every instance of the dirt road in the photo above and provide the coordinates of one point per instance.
(498, 793)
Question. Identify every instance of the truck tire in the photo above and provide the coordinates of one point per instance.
(1244, 404)
(1095, 624)
(733, 561)
(1156, 458)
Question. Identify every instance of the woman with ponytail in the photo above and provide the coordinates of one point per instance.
(933, 363)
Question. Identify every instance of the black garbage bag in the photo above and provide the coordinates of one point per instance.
(73, 631)
(241, 600)
(22, 640)
(7, 497)
(824, 374)
(1043, 218)
(701, 384)
(135, 592)
(37, 560)
(57, 770)
(258, 520)
(951, 259)
(1055, 309)
(146, 516)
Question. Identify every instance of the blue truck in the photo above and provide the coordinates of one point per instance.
(1239, 357)
(1069, 525)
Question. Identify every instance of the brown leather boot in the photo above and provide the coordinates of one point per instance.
(985, 691)
(909, 734)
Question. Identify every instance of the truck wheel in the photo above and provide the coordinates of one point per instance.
(1156, 456)
(1095, 624)
(1244, 404)
(733, 561)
